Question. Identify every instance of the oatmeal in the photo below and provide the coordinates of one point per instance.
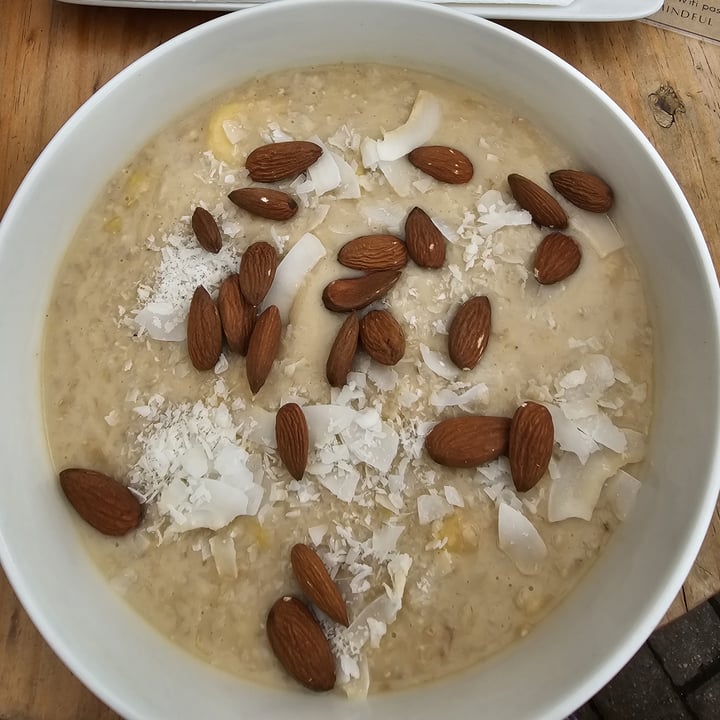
(439, 566)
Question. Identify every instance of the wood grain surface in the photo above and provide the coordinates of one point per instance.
(54, 56)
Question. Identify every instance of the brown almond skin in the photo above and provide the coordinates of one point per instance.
(349, 294)
(584, 190)
(374, 252)
(382, 337)
(468, 441)
(237, 315)
(204, 331)
(298, 642)
(263, 347)
(532, 435)
(265, 202)
(425, 243)
(543, 207)
(291, 435)
(257, 271)
(469, 332)
(206, 230)
(557, 258)
(342, 353)
(444, 163)
(278, 161)
(316, 583)
(101, 501)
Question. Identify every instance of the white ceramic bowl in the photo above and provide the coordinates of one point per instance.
(597, 629)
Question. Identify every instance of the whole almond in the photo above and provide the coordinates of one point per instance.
(316, 583)
(291, 435)
(382, 337)
(586, 191)
(469, 332)
(349, 294)
(425, 242)
(443, 163)
(374, 252)
(204, 331)
(543, 207)
(265, 202)
(532, 435)
(468, 441)
(300, 645)
(101, 501)
(277, 161)
(237, 315)
(557, 257)
(263, 347)
(206, 230)
(257, 271)
(342, 353)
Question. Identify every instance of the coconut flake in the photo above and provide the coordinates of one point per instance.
(317, 533)
(400, 174)
(348, 643)
(112, 418)
(317, 216)
(518, 538)
(191, 463)
(324, 172)
(636, 446)
(622, 489)
(349, 184)
(327, 421)
(575, 490)
(600, 428)
(573, 379)
(384, 378)
(453, 496)
(369, 153)
(494, 213)
(258, 426)
(377, 630)
(600, 376)
(162, 322)
(421, 125)
(375, 444)
(569, 437)
(234, 131)
(599, 231)
(223, 552)
(291, 273)
(432, 507)
(184, 265)
(341, 484)
(384, 541)
(203, 503)
(436, 362)
(447, 398)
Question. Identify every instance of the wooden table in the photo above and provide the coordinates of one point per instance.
(54, 56)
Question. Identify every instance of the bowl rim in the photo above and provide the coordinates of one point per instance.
(615, 660)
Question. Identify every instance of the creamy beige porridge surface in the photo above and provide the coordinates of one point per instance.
(110, 389)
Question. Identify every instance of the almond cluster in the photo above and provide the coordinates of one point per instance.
(558, 255)
(296, 637)
(471, 440)
(235, 317)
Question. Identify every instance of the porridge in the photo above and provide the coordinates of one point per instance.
(448, 530)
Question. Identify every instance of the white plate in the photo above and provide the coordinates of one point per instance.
(586, 10)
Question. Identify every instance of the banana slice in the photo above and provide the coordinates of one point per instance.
(217, 139)
(137, 184)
